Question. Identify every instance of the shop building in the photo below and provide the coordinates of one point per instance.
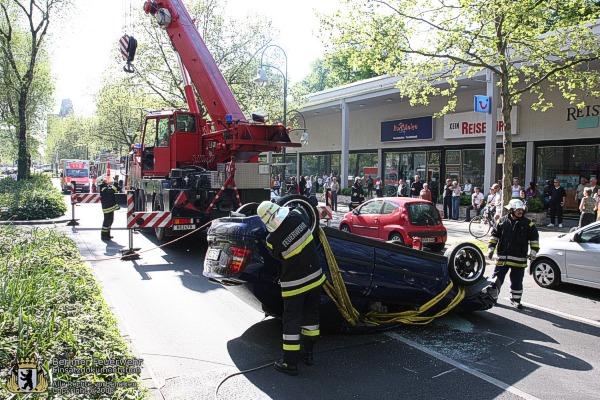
(365, 125)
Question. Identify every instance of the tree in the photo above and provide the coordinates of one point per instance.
(21, 57)
(532, 46)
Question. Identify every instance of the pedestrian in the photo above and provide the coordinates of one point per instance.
(357, 195)
(378, 187)
(108, 201)
(402, 188)
(302, 185)
(532, 191)
(579, 191)
(293, 187)
(416, 187)
(335, 189)
(291, 242)
(447, 200)
(319, 182)
(512, 236)
(547, 193)
(277, 183)
(588, 207)
(425, 193)
(455, 200)
(515, 189)
(468, 188)
(370, 187)
(594, 185)
(308, 185)
(524, 199)
(434, 186)
(557, 202)
(476, 204)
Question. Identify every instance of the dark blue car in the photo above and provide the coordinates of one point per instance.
(378, 276)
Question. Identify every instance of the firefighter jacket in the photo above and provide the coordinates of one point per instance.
(293, 245)
(357, 195)
(108, 198)
(513, 237)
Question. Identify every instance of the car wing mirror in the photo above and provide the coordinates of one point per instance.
(356, 211)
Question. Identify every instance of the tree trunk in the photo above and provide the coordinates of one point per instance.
(23, 167)
(507, 170)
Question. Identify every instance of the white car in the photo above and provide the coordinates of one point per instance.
(572, 258)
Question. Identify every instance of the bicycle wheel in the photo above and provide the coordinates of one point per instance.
(479, 226)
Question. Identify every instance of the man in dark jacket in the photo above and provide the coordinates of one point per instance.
(109, 204)
(558, 196)
(447, 201)
(290, 241)
(416, 187)
(357, 194)
(513, 235)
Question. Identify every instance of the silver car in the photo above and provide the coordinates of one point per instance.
(572, 258)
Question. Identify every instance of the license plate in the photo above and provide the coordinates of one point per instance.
(213, 254)
(427, 240)
(183, 227)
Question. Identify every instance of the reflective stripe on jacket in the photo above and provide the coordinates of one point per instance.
(513, 240)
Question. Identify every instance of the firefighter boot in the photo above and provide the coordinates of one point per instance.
(286, 367)
(307, 354)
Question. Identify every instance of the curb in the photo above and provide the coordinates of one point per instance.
(36, 222)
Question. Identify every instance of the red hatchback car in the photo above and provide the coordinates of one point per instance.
(399, 219)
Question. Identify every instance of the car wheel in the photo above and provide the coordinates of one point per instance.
(159, 206)
(296, 200)
(345, 228)
(466, 263)
(248, 209)
(437, 247)
(546, 273)
(396, 238)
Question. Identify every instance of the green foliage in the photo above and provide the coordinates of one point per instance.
(535, 205)
(346, 191)
(465, 200)
(52, 307)
(34, 198)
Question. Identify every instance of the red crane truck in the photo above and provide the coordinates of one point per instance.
(199, 169)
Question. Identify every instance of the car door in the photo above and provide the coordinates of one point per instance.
(366, 221)
(583, 256)
(390, 218)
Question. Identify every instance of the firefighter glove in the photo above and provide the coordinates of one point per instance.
(532, 255)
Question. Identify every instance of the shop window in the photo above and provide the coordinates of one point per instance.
(518, 165)
(473, 167)
(575, 161)
(361, 164)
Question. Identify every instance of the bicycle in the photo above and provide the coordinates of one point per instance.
(480, 225)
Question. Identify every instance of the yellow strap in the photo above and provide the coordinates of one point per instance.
(336, 289)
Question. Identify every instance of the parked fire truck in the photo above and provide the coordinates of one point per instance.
(75, 174)
(199, 169)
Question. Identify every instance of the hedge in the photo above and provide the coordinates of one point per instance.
(34, 198)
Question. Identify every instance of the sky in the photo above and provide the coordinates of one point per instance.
(81, 48)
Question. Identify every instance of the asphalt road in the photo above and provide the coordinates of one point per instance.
(192, 334)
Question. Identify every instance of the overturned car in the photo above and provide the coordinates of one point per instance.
(379, 277)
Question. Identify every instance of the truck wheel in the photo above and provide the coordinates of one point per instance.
(466, 263)
(159, 206)
(296, 200)
(248, 209)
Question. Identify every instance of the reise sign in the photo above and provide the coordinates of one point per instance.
(472, 124)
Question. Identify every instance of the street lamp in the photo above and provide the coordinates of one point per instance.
(261, 79)
(304, 137)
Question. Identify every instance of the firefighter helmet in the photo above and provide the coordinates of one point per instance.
(514, 204)
(271, 214)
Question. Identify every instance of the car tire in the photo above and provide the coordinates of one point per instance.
(466, 263)
(296, 200)
(248, 209)
(345, 228)
(437, 247)
(546, 273)
(159, 206)
(396, 238)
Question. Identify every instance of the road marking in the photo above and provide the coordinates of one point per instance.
(469, 370)
(564, 315)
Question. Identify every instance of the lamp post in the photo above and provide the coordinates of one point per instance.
(262, 79)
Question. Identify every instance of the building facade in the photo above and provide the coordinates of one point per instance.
(365, 127)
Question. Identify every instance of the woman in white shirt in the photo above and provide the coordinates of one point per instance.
(515, 189)
(455, 200)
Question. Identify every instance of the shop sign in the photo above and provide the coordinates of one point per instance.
(407, 129)
(472, 124)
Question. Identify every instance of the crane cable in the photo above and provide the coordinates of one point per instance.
(336, 290)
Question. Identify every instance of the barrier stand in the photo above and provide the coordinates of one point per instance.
(73, 221)
(131, 252)
(137, 220)
(76, 199)
(325, 213)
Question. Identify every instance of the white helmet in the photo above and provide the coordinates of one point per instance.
(515, 204)
(271, 214)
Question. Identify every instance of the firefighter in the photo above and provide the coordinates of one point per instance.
(357, 195)
(291, 242)
(513, 235)
(109, 205)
